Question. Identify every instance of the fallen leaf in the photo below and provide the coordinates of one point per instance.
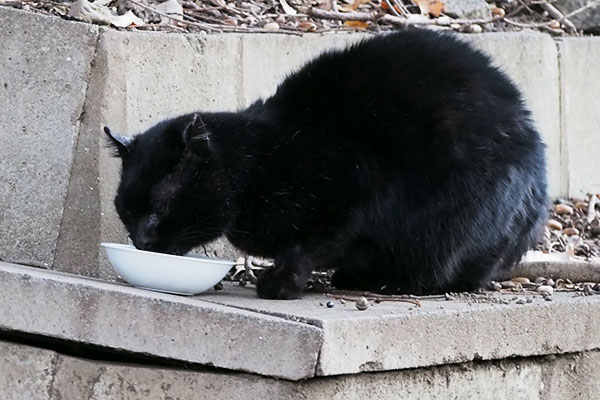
(307, 26)
(289, 10)
(357, 24)
(385, 7)
(172, 8)
(430, 7)
(98, 12)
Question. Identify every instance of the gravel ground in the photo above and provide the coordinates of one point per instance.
(299, 16)
(573, 227)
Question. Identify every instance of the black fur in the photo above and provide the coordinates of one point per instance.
(407, 162)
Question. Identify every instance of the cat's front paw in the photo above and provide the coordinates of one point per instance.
(275, 284)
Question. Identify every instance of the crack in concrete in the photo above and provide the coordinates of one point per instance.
(53, 369)
(564, 145)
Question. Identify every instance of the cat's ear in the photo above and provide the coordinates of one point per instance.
(196, 136)
(121, 144)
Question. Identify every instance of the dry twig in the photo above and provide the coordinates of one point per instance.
(376, 298)
(559, 16)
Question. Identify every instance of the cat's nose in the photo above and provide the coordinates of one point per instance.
(146, 234)
(143, 242)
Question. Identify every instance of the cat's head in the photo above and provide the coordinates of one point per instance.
(171, 196)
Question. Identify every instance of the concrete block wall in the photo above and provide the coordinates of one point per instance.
(39, 374)
(67, 79)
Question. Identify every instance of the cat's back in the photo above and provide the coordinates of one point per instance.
(406, 95)
(407, 68)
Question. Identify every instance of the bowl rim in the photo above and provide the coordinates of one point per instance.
(130, 248)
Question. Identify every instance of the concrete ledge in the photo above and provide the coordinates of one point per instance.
(33, 373)
(121, 317)
(297, 339)
(394, 336)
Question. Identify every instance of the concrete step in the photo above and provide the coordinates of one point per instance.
(299, 339)
(32, 373)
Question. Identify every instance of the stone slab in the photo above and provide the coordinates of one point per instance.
(531, 60)
(579, 67)
(121, 317)
(43, 80)
(571, 376)
(392, 335)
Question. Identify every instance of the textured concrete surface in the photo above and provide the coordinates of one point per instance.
(118, 316)
(531, 60)
(393, 335)
(580, 65)
(25, 372)
(43, 79)
(62, 377)
(296, 339)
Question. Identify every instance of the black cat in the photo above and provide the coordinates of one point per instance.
(407, 162)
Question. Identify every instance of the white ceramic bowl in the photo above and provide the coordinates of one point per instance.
(186, 275)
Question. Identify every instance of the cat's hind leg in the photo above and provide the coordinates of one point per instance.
(360, 267)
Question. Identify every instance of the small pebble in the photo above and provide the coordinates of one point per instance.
(271, 26)
(330, 304)
(540, 280)
(582, 205)
(475, 28)
(444, 20)
(321, 304)
(508, 284)
(243, 283)
(555, 225)
(548, 298)
(362, 303)
(550, 282)
(587, 289)
(563, 209)
(529, 300)
(498, 12)
(493, 286)
(342, 301)
(545, 290)
(571, 231)
(554, 24)
(520, 301)
(560, 284)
